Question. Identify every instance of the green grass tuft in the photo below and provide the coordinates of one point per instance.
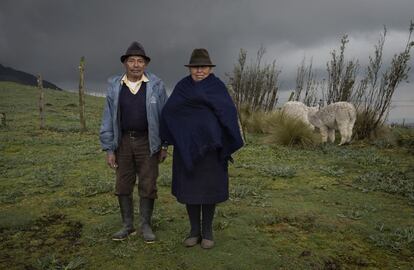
(287, 131)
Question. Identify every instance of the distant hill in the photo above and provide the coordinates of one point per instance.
(12, 75)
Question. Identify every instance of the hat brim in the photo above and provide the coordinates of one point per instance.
(125, 56)
(200, 65)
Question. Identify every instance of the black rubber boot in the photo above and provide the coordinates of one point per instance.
(146, 207)
(127, 213)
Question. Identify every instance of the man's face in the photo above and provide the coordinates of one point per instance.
(199, 73)
(135, 67)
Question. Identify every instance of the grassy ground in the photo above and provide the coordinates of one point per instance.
(330, 207)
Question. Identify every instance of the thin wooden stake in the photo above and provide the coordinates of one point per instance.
(82, 94)
(41, 101)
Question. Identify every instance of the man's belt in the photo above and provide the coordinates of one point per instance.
(135, 133)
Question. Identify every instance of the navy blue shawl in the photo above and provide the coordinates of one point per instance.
(198, 117)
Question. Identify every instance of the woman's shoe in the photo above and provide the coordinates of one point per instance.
(191, 241)
(207, 244)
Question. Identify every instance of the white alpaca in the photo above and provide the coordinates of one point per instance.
(298, 110)
(336, 116)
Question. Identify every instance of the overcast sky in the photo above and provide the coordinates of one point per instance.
(50, 36)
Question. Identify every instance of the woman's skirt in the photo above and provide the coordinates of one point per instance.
(207, 183)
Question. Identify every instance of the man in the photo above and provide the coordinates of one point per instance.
(130, 136)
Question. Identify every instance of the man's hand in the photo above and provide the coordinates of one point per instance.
(162, 155)
(111, 161)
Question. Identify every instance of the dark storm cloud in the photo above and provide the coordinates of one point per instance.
(50, 36)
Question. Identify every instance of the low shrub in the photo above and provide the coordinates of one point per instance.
(405, 138)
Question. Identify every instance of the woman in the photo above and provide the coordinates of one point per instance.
(200, 120)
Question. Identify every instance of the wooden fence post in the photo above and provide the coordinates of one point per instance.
(41, 101)
(82, 94)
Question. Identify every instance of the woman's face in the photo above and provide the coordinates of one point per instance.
(200, 73)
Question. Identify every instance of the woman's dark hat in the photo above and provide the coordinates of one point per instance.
(135, 49)
(200, 58)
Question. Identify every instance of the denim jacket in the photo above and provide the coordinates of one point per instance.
(156, 97)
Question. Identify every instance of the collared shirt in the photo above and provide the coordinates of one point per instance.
(134, 86)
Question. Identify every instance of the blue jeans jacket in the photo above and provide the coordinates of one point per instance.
(156, 97)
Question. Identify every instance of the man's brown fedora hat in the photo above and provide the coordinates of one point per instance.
(135, 49)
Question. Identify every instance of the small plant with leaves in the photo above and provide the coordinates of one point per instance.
(238, 192)
(50, 176)
(51, 262)
(334, 171)
(104, 208)
(11, 196)
(95, 188)
(394, 182)
(164, 179)
(394, 239)
(64, 202)
(354, 214)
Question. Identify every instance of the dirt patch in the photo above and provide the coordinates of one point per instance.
(50, 234)
(279, 223)
(332, 264)
(346, 261)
